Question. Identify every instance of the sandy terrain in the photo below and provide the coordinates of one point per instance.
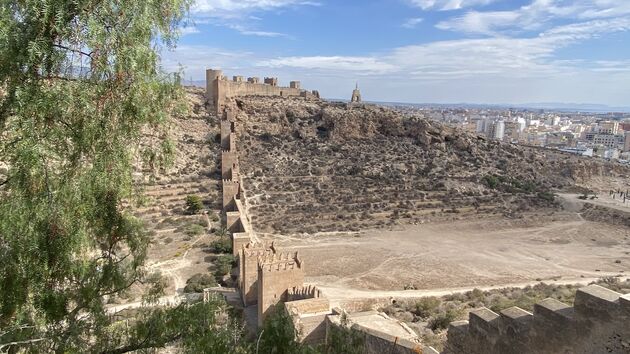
(466, 253)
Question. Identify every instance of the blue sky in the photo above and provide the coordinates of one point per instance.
(422, 51)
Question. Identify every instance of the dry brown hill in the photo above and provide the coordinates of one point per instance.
(313, 166)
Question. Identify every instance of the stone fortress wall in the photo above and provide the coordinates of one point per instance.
(599, 321)
(268, 277)
(219, 89)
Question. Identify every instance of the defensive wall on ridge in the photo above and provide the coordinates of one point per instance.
(268, 278)
(599, 321)
(219, 89)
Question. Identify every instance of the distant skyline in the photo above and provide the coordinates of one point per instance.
(438, 51)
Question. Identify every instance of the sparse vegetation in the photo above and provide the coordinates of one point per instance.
(194, 204)
(198, 282)
(224, 264)
(222, 245)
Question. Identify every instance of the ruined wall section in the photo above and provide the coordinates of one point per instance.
(599, 322)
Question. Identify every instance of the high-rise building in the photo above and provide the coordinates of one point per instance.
(626, 145)
(498, 130)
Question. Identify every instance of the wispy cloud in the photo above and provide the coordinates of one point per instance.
(240, 15)
(244, 30)
(184, 31)
(534, 16)
(445, 5)
(241, 8)
(411, 23)
(357, 65)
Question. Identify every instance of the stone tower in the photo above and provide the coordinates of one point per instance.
(356, 95)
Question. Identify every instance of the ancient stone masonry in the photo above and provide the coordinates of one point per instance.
(218, 89)
(266, 275)
(599, 322)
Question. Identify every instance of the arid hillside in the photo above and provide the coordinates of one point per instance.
(312, 167)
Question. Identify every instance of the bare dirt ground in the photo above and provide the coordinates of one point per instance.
(460, 254)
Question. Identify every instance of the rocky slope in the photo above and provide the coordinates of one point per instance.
(312, 166)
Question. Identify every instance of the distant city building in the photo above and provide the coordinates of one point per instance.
(607, 140)
(356, 95)
(626, 145)
(608, 127)
(498, 130)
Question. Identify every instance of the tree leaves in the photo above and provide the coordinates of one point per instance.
(78, 81)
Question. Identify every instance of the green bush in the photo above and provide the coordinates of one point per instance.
(224, 264)
(194, 230)
(198, 282)
(426, 306)
(491, 181)
(222, 245)
(442, 320)
(194, 204)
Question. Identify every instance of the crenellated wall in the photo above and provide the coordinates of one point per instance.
(599, 322)
(276, 274)
(248, 263)
(219, 89)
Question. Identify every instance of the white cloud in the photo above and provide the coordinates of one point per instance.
(237, 8)
(357, 65)
(412, 23)
(239, 14)
(183, 31)
(537, 14)
(251, 32)
(498, 56)
(497, 69)
(448, 4)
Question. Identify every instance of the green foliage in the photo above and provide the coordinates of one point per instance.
(79, 81)
(198, 282)
(194, 204)
(278, 335)
(443, 319)
(199, 328)
(192, 230)
(224, 264)
(344, 340)
(490, 181)
(222, 245)
(426, 306)
(547, 196)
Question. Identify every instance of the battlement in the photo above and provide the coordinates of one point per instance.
(279, 258)
(597, 323)
(304, 292)
(219, 89)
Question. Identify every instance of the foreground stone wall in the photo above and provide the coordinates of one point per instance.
(599, 322)
(373, 337)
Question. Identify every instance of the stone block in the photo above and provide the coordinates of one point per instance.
(483, 322)
(515, 322)
(597, 301)
(625, 303)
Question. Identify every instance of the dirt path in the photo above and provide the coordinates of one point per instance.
(339, 295)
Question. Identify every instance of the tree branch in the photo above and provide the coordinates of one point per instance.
(29, 341)
(72, 50)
